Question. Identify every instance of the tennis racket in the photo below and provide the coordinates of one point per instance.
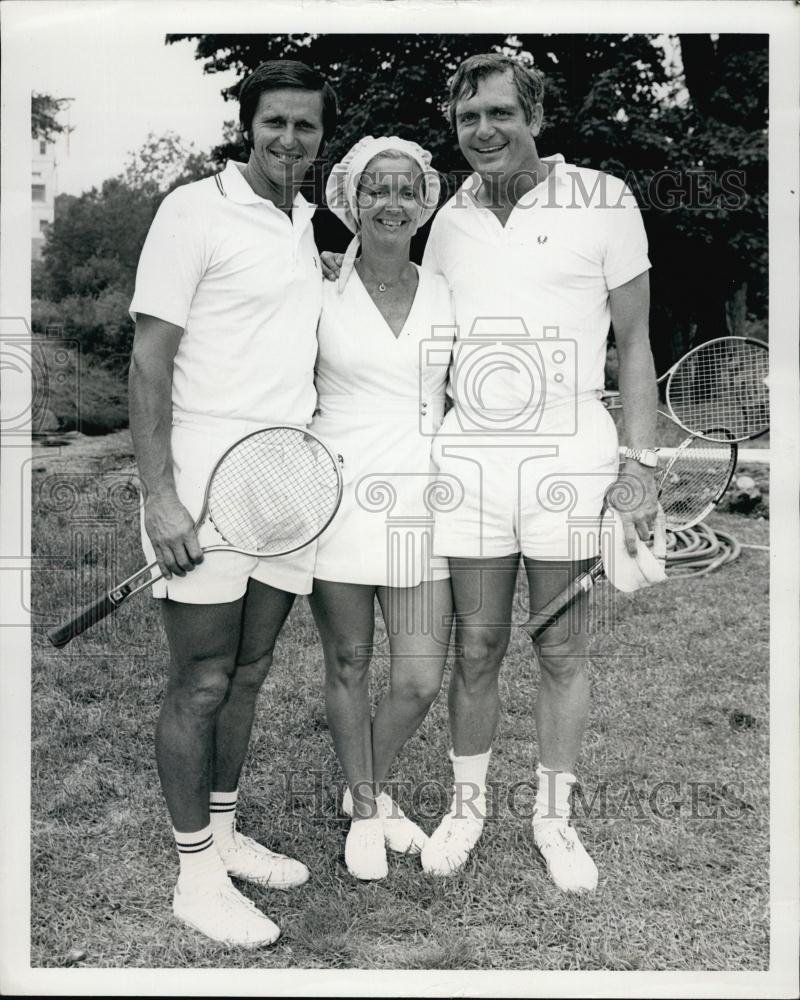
(271, 493)
(691, 484)
(720, 384)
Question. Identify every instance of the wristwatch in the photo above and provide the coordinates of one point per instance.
(644, 456)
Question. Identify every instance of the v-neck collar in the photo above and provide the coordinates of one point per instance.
(396, 337)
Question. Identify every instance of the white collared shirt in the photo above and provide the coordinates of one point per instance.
(567, 243)
(244, 282)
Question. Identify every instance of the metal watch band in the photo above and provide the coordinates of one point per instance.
(644, 456)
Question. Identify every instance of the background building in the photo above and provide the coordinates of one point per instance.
(44, 188)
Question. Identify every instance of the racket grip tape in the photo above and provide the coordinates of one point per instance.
(542, 619)
(84, 619)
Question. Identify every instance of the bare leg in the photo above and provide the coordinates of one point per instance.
(203, 640)
(561, 710)
(483, 592)
(265, 610)
(418, 624)
(345, 617)
(562, 703)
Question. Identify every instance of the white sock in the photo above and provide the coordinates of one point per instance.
(200, 863)
(552, 795)
(469, 777)
(222, 810)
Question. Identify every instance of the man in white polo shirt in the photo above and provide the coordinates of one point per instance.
(228, 294)
(540, 257)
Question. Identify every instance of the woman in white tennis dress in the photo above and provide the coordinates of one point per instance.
(385, 338)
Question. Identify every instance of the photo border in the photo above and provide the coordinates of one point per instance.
(21, 20)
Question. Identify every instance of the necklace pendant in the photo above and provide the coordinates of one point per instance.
(381, 287)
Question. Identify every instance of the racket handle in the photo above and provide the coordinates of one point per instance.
(542, 619)
(85, 618)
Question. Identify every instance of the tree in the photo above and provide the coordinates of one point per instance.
(636, 106)
(164, 162)
(96, 238)
(727, 78)
(44, 116)
(86, 277)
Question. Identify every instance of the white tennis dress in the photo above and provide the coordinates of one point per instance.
(381, 400)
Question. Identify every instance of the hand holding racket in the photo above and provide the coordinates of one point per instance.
(637, 522)
(690, 486)
(173, 534)
(271, 493)
(722, 385)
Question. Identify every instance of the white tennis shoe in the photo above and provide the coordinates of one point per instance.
(449, 846)
(222, 913)
(365, 850)
(251, 861)
(567, 860)
(400, 833)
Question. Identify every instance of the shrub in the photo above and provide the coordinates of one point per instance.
(100, 324)
(73, 391)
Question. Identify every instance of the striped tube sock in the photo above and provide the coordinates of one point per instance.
(200, 863)
(222, 810)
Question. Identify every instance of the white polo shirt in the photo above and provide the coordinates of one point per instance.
(566, 244)
(244, 282)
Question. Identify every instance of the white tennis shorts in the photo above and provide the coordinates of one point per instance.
(222, 576)
(538, 494)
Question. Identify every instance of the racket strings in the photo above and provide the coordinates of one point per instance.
(723, 384)
(274, 491)
(694, 480)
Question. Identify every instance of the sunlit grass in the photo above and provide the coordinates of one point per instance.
(679, 688)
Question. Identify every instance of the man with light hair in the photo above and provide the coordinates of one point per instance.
(540, 257)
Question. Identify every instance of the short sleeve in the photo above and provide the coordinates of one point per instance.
(626, 240)
(171, 264)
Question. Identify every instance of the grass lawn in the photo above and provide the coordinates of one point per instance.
(679, 686)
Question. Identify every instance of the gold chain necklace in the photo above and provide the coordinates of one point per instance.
(382, 286)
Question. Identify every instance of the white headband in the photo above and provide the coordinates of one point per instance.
(341, 191)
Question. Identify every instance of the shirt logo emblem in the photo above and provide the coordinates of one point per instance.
(541, 239)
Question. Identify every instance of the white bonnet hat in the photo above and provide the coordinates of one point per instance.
(342, 187)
